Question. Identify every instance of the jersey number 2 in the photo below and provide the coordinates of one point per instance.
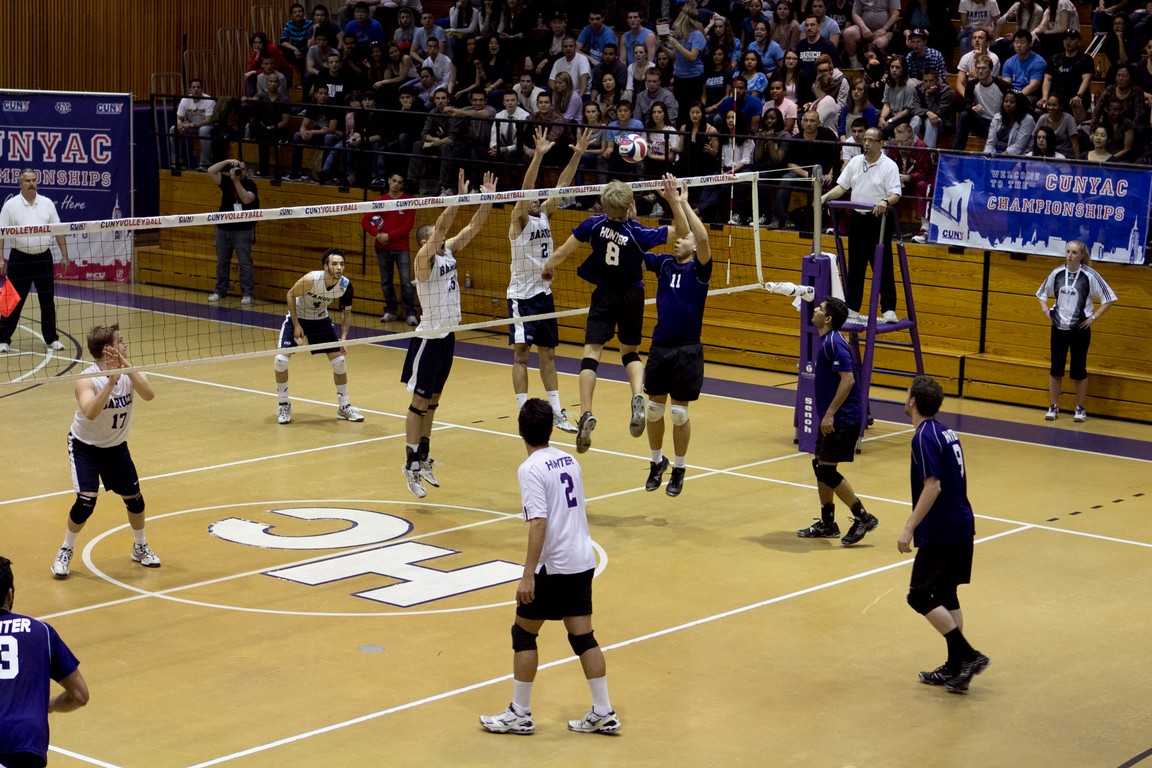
(569, 488)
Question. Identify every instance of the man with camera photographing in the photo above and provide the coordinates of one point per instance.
(237, 193)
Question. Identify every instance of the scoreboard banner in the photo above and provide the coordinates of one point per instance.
(80, 146)
(1029, 205)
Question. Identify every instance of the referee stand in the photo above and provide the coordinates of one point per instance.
(816, 272)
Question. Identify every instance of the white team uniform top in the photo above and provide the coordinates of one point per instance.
(551, 487)
(529, 252)
(111, 426)
(440, 296)
(313, 305)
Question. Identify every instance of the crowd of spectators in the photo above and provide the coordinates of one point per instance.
(716, 86)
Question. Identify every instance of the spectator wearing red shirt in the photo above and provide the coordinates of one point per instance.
(391, 230)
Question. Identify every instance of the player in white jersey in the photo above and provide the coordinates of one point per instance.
(308, 321)
(529, 293)
(557, 580)
(429, 359)
(98, 444)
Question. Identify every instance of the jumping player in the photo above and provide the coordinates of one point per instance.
(98, 443)
(557, 581)
(308, 321)
(429, 358)
(943, 528)
(616, 267)
(675, 362)
(838, 407)
(529, 294)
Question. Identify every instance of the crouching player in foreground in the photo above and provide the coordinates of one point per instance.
(557, 581)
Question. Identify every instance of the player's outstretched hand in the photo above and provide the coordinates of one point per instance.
(583, 139)
(462, 183)
(668, 188)
(489, 184)
(543, 146)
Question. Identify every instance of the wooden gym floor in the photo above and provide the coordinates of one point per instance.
(309, 611)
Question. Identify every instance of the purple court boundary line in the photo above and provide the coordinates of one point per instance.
(887, 411)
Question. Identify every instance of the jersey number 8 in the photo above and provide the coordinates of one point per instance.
(612, 254)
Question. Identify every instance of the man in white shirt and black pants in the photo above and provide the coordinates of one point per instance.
(30, 261)
(873, 178)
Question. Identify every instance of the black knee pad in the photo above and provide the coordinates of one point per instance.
(582, 643)
(135, 505)
(589, 364)
(433, 406)
(827, 474)
(922, 601)
(948, 599)
(417, 411)
(522, 639)
(82, 509)
(629, 357)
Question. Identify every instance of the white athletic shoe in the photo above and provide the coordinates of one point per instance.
(594, 723)
(349, 413)
(60, 564)
(284, 413)
(143, 554)
(584, 429)
(657, 211)
(426, 473)
(56, 345)
(889, 317)
(246, 300)
(508, 722)
(215, 297)
(415, 487)
(6, 348)
(637, 423)
(560, 421)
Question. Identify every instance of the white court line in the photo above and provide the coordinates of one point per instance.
(82, 758)
(570, 659)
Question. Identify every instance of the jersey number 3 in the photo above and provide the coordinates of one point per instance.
(9, 658)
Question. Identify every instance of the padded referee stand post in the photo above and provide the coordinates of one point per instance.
(870, 329)
(816, 273)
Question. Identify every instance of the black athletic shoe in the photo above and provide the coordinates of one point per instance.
(968, 670)
(820, 530)
(939, 676)
(656, 474)
(675, 482)
(860, 526)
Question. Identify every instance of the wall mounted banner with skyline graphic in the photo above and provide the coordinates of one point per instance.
(80, 145)
(1025, 205)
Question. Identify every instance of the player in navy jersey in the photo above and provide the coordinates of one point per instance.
(98, 443)
(838, 408)
(616, 267)
(675, 363)
(1075, 285)
(557, 580)
(530, 233)
(429, 358)
(308, 322)
(943, 528)
(31, 654)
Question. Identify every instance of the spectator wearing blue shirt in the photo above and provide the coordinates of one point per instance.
(687, 44)
(1024, 71)
(364, 28)
(743, 102)
(920, 57)
(771, 54)
(294, 37)
(637, 34)
(623, 125)
(594, 37)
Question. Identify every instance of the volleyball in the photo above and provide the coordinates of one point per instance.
(377, 222)
(633, 148)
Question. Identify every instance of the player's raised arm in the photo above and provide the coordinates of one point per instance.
(464, 236)
(435, 241)
(679, 225)
(558, 256)
(583, 138)
(695, 226)
(520, 211)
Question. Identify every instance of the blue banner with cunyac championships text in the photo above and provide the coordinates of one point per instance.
(1032, 206)
(80, 145)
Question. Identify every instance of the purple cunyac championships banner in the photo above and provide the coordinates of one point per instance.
(80, 145)
(1033, 206)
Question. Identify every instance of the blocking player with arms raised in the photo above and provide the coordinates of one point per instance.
(308, 321)
(616, 267)
(943, 528)
(675, 365)
(840, 414)
(98, 443)
(429, 358)
(557, 580)
(530, 294)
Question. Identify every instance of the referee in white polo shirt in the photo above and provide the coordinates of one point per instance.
(30, 261)
(872, 178)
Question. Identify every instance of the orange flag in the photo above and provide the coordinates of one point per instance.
(9, 298)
